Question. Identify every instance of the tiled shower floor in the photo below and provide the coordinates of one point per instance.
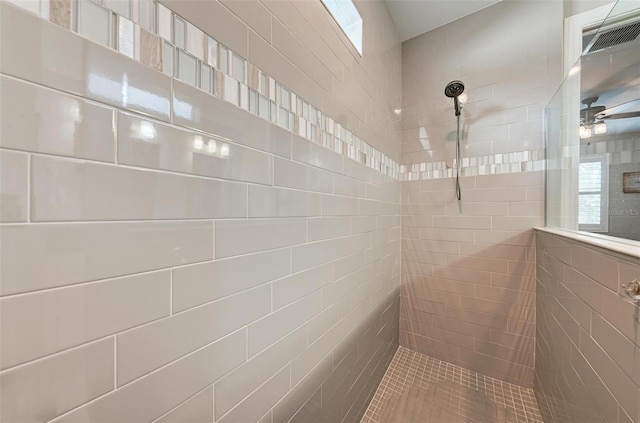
(418, 388)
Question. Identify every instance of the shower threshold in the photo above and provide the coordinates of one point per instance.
(421, 389)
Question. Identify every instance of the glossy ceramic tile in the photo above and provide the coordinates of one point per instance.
(154, 395)
(290, 288)
(328, 227)
(87, 312)
(234, 387)
(315, 253)
(195, 109)
(269, 329)
(236, 237)
(295, 175)
(68, 254)
(14, 176)
(87, 69)
(134, 36)
(41, 120)
(177, 90)
(262, 399)
(104, 192)
(201, 283)
(278, 202)
(44, 389)
(198, 409)
(169, 339)
(595, 329)
(150, 144)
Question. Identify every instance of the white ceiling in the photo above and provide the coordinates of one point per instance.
(415, 17)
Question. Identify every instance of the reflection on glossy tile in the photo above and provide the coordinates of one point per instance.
(45, 121)
(68, 254)
(103, 192)
(42, 390)
(13, 186)
(112, 79)
(154, 145)
(86, 312)
(195, 109)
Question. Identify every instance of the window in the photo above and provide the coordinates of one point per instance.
(348, 18)
(593, 186)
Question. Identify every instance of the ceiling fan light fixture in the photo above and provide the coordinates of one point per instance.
(600, 128)
(585, 131)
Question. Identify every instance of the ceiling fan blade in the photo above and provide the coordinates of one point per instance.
(618, 115)
(622, 111)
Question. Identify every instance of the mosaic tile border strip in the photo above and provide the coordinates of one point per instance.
(410, 370)
(154, 35)
(522, 161)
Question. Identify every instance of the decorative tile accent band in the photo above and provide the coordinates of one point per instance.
(152, 34)
(522, 161)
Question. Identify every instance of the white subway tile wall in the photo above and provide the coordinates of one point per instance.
(587, 337)
(178, 229)
(468, 290)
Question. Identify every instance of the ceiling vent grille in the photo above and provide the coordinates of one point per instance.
(614, 37)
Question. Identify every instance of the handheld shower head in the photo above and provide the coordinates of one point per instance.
(454, 89)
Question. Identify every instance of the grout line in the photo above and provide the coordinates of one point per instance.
(29, 187)
(115, 362)
(116, 136)
(171, 292)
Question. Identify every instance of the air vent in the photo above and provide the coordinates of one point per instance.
(614, 37)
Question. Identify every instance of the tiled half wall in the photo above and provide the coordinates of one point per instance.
(588, 338)
(164, 250)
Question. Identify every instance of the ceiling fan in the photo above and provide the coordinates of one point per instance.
(592, 117)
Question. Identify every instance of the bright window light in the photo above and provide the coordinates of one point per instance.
(592, 195)
(347, 16)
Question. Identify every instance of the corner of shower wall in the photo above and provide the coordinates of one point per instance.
(468, 273)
